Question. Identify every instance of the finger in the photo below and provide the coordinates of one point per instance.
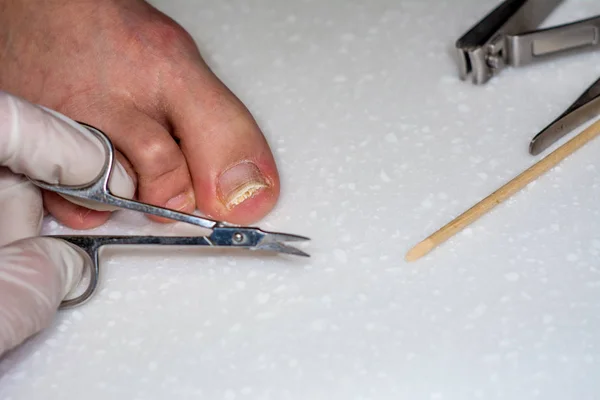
(48, 146)
(73, 215)
(232, 167)
(36, 273)
(121, 181)
(21, 211)
(35, 276)
(163, 178)
(77, 214)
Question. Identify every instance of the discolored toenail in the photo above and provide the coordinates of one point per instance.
(239, 183)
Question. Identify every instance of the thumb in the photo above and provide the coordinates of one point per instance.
(35, 276)
(48, 146)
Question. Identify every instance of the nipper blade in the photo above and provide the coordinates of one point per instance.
(583, 110)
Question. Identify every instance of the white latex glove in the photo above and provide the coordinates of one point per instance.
(37, 273)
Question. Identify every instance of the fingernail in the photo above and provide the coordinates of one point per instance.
(180, 202)
(240, 183)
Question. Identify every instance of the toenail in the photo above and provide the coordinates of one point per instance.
(180, 202)
(83, 213)
(239, 183)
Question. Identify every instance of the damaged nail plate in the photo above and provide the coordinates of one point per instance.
(240, 183)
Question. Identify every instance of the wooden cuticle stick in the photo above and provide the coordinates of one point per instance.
(506, 191)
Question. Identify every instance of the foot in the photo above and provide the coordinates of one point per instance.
(129, 70)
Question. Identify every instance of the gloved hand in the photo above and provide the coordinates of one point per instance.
(37, 273)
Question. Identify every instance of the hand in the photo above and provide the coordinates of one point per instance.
(127, 69)
(36, 273)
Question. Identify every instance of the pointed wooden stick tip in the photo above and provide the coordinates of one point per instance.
(419, 250)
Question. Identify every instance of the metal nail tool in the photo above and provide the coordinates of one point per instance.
(507, 37)
(223, 234)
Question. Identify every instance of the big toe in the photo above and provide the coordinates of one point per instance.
(233, 171)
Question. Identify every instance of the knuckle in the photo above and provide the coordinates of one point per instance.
(169, 34)
(155, 155)
(162, 37)
(158, 42)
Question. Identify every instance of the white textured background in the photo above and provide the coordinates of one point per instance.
(378, 144)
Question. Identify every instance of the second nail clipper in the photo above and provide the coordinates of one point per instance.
(507, 37)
